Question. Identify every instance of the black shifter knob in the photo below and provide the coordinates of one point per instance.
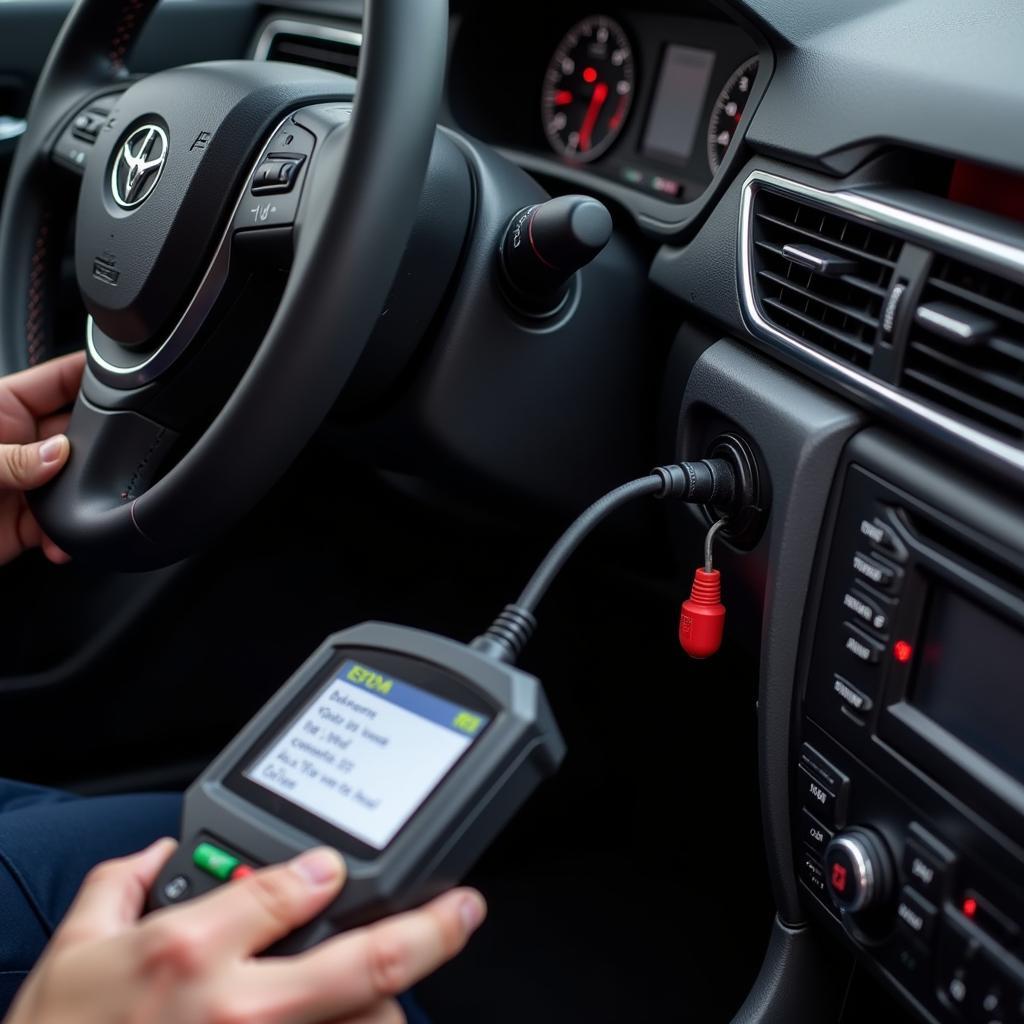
(546, 244)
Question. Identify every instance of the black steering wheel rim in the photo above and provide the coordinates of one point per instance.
(360, 203)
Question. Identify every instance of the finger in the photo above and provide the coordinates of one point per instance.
(48, 387)
(357, 970)
(26, 466)
(113, 894)
(56, 424)
(252, 913)
(53, 553)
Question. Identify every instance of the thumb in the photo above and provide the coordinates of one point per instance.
(113, 895)
(25, 466)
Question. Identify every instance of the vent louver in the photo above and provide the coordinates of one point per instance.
(313, 45)
(966, 346)
(820, 275)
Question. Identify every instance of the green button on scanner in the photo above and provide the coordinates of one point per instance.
(214, 861)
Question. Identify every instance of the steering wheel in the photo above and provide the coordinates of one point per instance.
(185, 174)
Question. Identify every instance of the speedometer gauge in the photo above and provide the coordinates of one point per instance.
(588, 89)
(728, 111)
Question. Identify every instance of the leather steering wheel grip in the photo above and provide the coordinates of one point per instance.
(88, 54)
(358, 209)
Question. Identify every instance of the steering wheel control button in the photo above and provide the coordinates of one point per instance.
(78, 138)
(814, 835)
(863, 647)
(544, 246)
(215, 861)
(88, 124)
(915, 914)
(272, 200)
(177, 887)
(276, 174)
(857, 870)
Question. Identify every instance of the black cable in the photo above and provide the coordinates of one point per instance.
(712, 481)
(556, 558)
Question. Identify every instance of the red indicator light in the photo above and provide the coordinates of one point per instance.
(969, 906)
(563, 98)
(902, 651)
(242, 871)
(590, 74)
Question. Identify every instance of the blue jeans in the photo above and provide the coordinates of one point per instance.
(48, 842)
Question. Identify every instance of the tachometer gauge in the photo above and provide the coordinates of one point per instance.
(727, 112)
(588, 89)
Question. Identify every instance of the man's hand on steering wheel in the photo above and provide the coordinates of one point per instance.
(33, 448)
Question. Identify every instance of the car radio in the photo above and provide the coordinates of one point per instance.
(908, 771)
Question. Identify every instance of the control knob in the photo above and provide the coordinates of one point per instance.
(858, 870)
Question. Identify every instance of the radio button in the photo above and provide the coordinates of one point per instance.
(882, 537)
(812, 873)
(876, 573)
(863, 647)
(814, 796)
(814, 835)
(856, 700)
(924, 867)
(955, 962)
(833, 778)
(870, 612)
(915, 914)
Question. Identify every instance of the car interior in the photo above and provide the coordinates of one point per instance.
(378, 297)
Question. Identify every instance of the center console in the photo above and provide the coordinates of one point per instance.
(908, 758)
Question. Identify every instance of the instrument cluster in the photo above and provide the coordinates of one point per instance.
(651, 101)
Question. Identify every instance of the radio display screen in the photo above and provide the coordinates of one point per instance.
(970, 679)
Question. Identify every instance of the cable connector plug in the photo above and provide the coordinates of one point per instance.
(507, 635)
(708, 482)
(702, 617)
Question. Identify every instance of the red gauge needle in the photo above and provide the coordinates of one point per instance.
(596, 103)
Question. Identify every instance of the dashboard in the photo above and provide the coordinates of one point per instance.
(820, 246)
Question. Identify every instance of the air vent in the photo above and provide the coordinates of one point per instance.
(966, 346)
(819, 275)
(315, 45)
